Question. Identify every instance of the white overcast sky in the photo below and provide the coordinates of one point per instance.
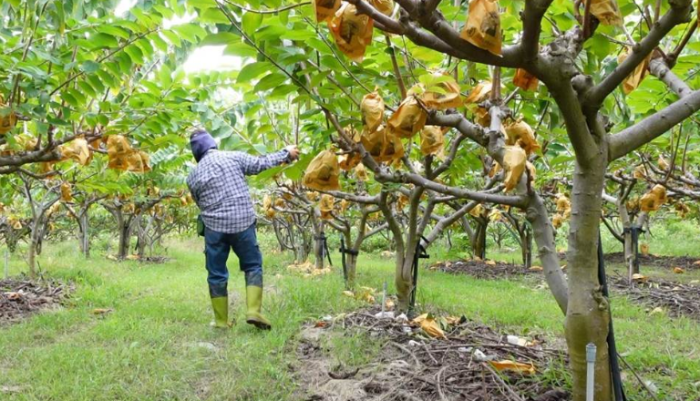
(202, 59)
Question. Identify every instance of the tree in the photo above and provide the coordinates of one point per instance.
(583, 96)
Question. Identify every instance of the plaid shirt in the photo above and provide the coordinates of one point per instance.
(219, 188)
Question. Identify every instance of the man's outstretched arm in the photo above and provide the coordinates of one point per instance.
(256, 164)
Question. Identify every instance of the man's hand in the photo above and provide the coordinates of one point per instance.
(293, 152)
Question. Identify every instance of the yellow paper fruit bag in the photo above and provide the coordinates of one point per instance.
(514, 165)
(352, 32)
(325, 9)
(322, 173)
(483, 27)
(408, 119)
(372, 108)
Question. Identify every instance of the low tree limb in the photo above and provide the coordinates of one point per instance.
(654, 126)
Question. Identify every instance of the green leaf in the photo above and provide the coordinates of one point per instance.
(240, 49)
(270, 81)
(221, 38)
(134, 53)
(90, 66)
(252, 71)
(251, 22)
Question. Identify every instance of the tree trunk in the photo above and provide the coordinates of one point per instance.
(84, 228)
(479, 242)
(526, 248)
(32, 257)
(588, 312)
(123, 229)
(351, 269)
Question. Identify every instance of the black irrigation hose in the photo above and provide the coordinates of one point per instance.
(612, 348)
(420, 254)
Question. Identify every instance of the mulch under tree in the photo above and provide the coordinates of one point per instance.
(411, 365)
(21, 297)
(671, 297)
(489, 270)
(685, 262)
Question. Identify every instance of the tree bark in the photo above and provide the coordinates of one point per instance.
(588, 313)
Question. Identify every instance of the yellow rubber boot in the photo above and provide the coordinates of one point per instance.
(254, 301)
(220, 306)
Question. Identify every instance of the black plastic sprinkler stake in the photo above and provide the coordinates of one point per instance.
(420, 254)
(612, 348)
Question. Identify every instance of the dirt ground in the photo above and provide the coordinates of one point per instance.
(21, 297)
(411, 365)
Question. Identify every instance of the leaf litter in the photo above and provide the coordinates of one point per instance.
(454, 359)
(21, 297)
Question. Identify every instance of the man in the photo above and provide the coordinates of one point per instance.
(219, 188)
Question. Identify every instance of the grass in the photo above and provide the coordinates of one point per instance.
(156, 344)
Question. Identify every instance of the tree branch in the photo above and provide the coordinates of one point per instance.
(654, 126)
(678, 14)
(532, 28)
(661, 70)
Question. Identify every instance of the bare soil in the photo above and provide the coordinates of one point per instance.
(482, 270)
(413, 366)
(21, 297)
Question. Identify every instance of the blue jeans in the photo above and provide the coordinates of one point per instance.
(217, 248)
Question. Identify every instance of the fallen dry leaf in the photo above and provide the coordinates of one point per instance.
(639, 278)
(678, 270)
(536, 268)
(505, 365)
(432, 328)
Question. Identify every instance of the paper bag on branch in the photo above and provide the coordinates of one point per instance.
(325, 9)
(66, 195)
(385, 7)
(372, 108)
(606, 11)
(652, 200)
(557, 220)
(383, 145)
(478, 211)
(408, 119)
(635, 78)
(524, 80)
(447, 97)
(349, 161)
(514, 165)
(432, 140)
(137, 162)
(640, 172)
(361, 172)
(521, 134)
(312, 196)
(663, 164)
(480, 92)
(483, 27)
(76, 150)
(344, 205)
(8, 119)
(322, 173)
(563, 206)
(267, 202)
(326, 206)
(352, 32)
